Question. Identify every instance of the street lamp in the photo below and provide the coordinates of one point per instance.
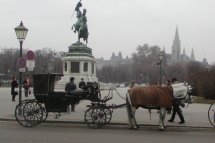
(7, 75)
(21, 33)
(160, 63)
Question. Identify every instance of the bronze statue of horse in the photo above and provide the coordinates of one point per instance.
(81, 24)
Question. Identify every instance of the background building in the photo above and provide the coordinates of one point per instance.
(115, 60)
(176, 56)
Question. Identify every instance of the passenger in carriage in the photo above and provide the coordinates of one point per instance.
(71, 86)
(176, 107)
(82, 84)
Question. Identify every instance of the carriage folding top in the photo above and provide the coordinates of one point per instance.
(44, 83)
(55, 101)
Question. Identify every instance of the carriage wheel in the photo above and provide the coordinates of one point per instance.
(33, 113)
(19, 114)
(108, 113)
(45, 113)
(211, 114)
(95, 117)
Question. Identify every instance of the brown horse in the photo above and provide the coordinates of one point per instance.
(153, 97)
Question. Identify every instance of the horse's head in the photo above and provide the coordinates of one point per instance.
(189, 97)
(182, 91)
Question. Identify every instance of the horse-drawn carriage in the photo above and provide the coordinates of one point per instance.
(31, 112)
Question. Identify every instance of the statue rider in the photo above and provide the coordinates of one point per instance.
(81, 24)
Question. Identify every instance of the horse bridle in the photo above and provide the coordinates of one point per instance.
(189, 101)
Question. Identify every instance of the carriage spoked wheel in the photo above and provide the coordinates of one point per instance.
(45, 113)
(19, 114)
(33, 113)
(108, 113)
(95, 117)
(211, 114)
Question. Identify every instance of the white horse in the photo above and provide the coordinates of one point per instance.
(155, 97)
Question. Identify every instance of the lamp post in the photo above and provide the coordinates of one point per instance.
(160, 63)
(7, 75)
(21, 33)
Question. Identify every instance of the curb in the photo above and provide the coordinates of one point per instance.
(118, 124)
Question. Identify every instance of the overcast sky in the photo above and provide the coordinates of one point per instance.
(114, 25)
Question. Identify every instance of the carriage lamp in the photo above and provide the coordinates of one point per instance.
(21, 33)
(160, 64)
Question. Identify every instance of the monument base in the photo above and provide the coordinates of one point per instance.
(78, 63)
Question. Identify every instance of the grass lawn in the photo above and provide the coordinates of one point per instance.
(198, 99)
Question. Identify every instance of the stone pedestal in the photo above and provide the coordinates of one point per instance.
(78, 63)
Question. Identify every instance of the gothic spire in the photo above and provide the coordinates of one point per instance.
(113, 56)
(192, 55)
(120, 55)
(176, 47)
(176, 34)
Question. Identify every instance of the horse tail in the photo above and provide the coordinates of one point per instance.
(128, 106)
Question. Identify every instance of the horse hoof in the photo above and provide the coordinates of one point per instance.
(161, 128)
(135, 128)
(131, 128)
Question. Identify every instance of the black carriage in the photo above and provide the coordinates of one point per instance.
(31, 112)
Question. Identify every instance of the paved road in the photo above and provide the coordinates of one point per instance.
(79, 133)
(195, 114)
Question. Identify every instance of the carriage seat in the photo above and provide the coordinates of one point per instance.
(77, 92)
(58, 93)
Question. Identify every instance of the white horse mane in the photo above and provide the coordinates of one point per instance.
(180, 90)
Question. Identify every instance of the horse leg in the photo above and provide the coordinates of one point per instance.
(74, 26)
(162, 118)
(131, 113)
(86, 40)
(134, 121)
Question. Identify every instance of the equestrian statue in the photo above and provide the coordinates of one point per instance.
(81, 25)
